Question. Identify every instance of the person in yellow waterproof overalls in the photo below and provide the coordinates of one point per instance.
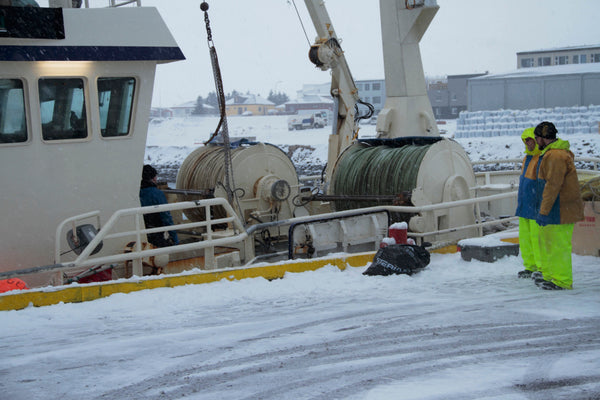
(559, 207)
(526, 207)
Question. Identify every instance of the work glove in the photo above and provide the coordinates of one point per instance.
(542, 220)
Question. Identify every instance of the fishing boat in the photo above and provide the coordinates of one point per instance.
(74, 110)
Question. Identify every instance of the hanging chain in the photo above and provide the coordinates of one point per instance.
(222, 128)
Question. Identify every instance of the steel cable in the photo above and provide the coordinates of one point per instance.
(376, 170)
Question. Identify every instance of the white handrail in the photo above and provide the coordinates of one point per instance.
(84, 260)
(240, 236)
(72, 220)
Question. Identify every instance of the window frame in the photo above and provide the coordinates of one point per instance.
(544, 61)
(528, 62)
(26, 112)
(132, 110)
(86, 107)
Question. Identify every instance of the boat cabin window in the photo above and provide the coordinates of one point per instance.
(62, 106)
(115, 97)
(13, 123)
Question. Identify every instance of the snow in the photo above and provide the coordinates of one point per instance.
(585, 68)
(568, 121)
(171, 140)
(486, 241)
(456, 330)
(388, 241)
(399, 225)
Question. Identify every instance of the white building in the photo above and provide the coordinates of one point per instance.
(559, 56)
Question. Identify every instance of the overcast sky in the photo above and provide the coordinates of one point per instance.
(261, 44)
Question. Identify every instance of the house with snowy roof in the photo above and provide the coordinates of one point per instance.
(189, 108)
(249, 104)
(309, 101)
(184, 110)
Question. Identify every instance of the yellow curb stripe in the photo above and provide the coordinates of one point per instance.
(88, 292)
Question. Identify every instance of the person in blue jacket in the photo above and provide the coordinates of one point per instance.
(151, 195)
(526, 207)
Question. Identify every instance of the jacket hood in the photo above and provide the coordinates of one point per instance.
(528, 133)
(559, 144)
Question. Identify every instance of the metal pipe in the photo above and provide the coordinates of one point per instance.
(459, 228)
(204, 193)
(403, 197)
(28, 271)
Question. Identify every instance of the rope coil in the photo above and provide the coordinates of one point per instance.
(203, 170)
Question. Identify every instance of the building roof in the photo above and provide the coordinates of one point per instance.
(375, 80)
(555, 49)
(311, 98)
(569, 69)
(249, 99)
(187, 104)
(466, 76)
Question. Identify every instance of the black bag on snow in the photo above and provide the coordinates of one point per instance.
(398, 259)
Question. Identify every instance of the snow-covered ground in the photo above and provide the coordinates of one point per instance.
(457, 330)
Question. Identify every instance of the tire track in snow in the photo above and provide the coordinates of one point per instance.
(366, 357)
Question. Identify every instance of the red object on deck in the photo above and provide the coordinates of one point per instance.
(101, 276)
(7, 285)
(399, 235)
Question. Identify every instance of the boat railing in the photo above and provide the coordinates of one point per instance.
(138, 252)
(241, 233)
(476, 201)
(431, 209)
(516, 162)
(239, 236)
(511, 175)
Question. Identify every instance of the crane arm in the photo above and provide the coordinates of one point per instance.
(327, 54)
(407, 110)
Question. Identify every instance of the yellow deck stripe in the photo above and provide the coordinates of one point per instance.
(93, 291)
(87, 292)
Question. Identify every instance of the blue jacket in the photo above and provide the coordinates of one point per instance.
(527, 198)
(150, 195)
